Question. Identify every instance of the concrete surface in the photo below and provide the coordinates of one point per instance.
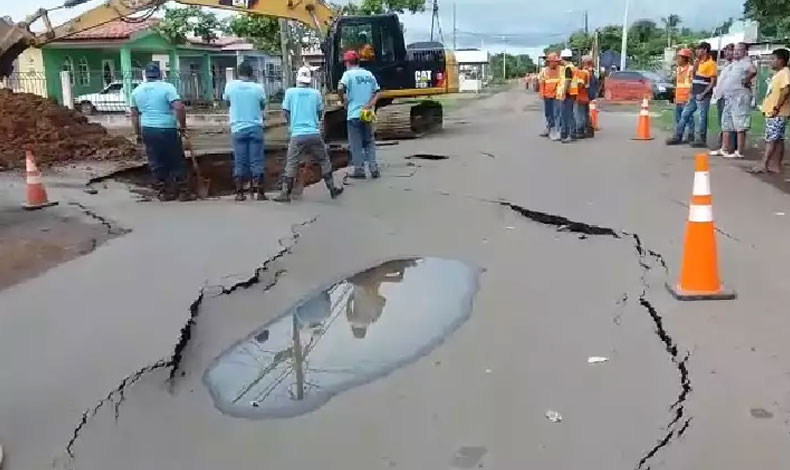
(549, 299)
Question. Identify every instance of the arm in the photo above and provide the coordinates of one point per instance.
(287, 107)
(135, 116)
(747, 82)
(783, 95)
(181, 114)
(342, 87)
(373, 100)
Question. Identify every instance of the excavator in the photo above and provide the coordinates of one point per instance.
(406, 74)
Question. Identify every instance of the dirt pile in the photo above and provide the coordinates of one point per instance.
(54, 133)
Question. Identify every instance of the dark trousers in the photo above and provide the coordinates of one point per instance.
(548, 110)
(568, 123)
(165, 154)
(248, 158)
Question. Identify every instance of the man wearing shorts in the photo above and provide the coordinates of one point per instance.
(735, 87)
(776, 108)
(303, 106)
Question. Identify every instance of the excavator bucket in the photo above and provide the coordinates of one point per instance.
(13, 40)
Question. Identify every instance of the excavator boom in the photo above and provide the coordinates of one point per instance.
(15, 38)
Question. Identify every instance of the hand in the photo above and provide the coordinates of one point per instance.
(366, 107)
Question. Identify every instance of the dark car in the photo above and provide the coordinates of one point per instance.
(633, 85)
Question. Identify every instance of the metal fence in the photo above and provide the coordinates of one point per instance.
(26, 82)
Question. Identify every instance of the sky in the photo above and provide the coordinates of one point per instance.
(519, 26)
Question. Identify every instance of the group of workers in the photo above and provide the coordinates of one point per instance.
(159, 121)
(566, 91)
(730, 87)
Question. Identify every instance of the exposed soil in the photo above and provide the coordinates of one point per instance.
(55, 134)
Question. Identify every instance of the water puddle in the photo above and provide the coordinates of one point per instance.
(351, 333)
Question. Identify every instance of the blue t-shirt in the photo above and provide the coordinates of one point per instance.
(246, 101)
(153, 100)
(360, 86)
(305, 105)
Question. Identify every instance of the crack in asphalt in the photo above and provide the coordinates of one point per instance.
(117, 395)
(644, 257)
(112, 229)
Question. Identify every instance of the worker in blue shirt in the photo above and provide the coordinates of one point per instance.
(302, 106)
(247, 100)
(359, 90)
(159, 120)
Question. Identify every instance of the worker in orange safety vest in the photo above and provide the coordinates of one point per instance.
(548, 82)
(685, 75)
(567, 91)
(582, 109)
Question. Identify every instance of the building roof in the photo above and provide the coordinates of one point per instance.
(113, 30)
(471, 57)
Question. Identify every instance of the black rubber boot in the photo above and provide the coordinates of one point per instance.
(162, 191)
(257, 188)
(674, 141)
(334, 191)
(184, 192)
(239, 189)
(285, 192)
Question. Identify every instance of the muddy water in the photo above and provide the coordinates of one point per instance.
(350, 333)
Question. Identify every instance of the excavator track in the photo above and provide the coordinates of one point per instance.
(408, 120)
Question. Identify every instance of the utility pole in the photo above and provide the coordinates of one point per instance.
(284, 50)
(434, 16)
(624, 45)
(586, 24)
(504, 64)
(455, 28)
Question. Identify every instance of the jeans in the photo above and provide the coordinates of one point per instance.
(678, 113)
(363, 145)
(688, 115)
(248, 158)
(548, 108)
(733, 136)
(581, 114)
(567, 124)
(165, 154)
(310, 144)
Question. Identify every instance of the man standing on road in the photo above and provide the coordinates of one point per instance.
(566, 97)
(701, 91)
(582, 108)
(159, 121)
(735, 87)
(360, 91)
(303, 106)
(247, 100)
(548, 80)
(683, 78)
(776, 108)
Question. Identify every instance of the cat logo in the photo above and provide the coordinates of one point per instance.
(422, 79)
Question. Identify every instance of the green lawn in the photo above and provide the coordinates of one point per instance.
(666, 120)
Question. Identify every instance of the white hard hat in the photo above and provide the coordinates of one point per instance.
(566, 54)
(304, 76)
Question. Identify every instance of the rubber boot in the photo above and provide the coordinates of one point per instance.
(330, 185)
(162, 192)
(257, 188)
(375, 174)
(285, 192)
(239, 189)
(184, 192)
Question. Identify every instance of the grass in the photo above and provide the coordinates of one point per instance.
(666, 121)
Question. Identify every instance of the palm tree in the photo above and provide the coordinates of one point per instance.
(671, 24)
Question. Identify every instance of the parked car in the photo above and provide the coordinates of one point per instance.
(110, 99)
(633, 85)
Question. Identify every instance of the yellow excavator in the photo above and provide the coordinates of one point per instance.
(403, 72)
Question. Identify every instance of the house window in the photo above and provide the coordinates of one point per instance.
(83, 72)
(68, 66)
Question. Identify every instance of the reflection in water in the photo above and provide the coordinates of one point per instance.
(353, 332)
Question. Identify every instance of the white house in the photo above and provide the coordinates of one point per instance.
(473, 69)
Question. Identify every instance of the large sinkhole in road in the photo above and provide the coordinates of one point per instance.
(350, 333)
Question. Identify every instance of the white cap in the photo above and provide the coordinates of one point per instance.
(304, 76)
(566, 54)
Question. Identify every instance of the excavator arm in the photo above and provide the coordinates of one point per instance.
(15, 38)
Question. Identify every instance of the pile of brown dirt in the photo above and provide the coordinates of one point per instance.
(54, 133)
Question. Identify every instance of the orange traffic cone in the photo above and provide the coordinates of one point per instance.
(643, 126)
(594, 115)
(36, 194)
(699, 274)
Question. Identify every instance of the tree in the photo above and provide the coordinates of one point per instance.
(178, 23)
(262, 31)
(378, 7)
(517, 66)
(772, 16)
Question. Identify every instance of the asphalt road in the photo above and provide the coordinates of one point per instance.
(569, 244)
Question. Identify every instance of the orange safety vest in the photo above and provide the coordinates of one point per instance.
(574, 87)
(683, 84)
(564, 89)
(582, 78)
(549, 81)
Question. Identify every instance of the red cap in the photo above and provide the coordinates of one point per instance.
(351, 56)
